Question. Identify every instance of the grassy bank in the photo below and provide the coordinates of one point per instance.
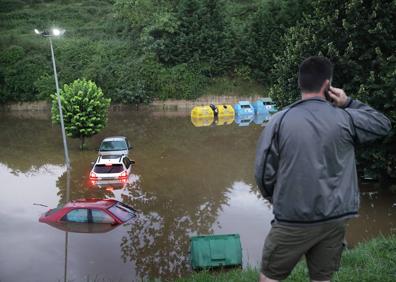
(374, 260)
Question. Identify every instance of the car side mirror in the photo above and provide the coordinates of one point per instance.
(130, 147)
(92, 163)
(133, 162)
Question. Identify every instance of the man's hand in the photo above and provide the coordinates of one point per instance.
(339, 97)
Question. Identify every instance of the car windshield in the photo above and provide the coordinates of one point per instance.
(114, 168)
(113, 146)
(123, 212)
(51, 211)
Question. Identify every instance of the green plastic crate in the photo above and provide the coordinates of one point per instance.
(212, 251)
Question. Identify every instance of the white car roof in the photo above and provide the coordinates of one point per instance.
(115, 138)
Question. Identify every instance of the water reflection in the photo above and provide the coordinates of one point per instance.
(224, 120)
(200, 122)
(244, 120)
(247, 214)
(261, 119)
(186, 181)
(83, 227)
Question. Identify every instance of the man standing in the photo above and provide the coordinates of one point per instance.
(305, 166)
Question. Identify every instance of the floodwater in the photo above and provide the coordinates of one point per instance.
(187, 180)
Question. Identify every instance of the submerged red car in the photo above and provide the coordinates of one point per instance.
(107, 211)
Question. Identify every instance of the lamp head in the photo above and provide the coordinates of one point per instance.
(57, 32)
(50, 33)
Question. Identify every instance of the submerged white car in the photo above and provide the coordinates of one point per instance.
(111, 167)
(116, 145)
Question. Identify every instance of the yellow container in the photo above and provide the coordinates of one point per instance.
(200, 122)
(226, 110)
(225, 120)
(202, 112)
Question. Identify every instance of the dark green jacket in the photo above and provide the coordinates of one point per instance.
(305, 160)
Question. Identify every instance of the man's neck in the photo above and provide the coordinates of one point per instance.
(305, 96)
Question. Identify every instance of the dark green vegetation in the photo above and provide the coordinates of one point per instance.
(84, 109)
(139, 50)
(360, 38)
(370, 261)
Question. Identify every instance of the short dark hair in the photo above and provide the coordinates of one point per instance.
(312, 72)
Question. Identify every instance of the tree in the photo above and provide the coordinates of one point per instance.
(359, 36)
(19, 71)
(262, 39)
(84, 109)
(201, 38)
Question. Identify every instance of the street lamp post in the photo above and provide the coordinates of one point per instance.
(49, 35)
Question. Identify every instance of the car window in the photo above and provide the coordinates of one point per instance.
(109, 157)
(76, 215)
(122, 212)
(52, 211)
(113, 146)
(99, 216)
(114, 168)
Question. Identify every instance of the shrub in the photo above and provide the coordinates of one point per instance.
(84, 109)
(359, 37)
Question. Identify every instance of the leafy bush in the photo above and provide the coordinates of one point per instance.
(45, 86)
(19, 72)
(84, 109)
(359, 37)
(262, 39)
(180, 82)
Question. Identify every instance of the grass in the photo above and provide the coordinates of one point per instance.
(374, 260)
(80, 18)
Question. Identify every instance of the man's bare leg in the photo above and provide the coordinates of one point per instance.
(263, 278)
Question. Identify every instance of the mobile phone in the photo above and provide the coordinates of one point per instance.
(327, 95)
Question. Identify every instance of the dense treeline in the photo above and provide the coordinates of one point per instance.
(138, 50)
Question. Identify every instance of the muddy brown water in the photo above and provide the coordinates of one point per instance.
(186, 181)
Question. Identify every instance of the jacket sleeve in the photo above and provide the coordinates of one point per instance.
(368, 124)
(267, 158)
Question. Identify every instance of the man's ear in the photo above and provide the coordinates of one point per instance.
(325, 86)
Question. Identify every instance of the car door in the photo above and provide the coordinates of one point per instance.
(79, 215)
(100, 216)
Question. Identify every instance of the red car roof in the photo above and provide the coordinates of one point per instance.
(91, 203)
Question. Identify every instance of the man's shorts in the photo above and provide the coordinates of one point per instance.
(321, 244)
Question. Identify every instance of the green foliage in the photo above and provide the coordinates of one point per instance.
(141, 50)
(19, 71)
(84, 109)
(359, 37)
(201, 37)
(45, 85)
(180, 82)
(369, 261)
(140, 14)
(263, 36)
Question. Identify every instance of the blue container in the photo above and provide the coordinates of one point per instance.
(270, 105)
(260, 108)
(244, 120)
(243, 108)
(261, 119)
